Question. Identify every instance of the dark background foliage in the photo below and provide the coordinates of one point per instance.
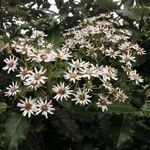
(72, 128)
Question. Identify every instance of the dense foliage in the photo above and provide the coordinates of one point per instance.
(124, 125)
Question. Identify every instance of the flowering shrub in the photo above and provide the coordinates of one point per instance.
(94, 62)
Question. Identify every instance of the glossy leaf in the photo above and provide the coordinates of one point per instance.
(121, 108)
(124, 131)
(55, 36)
(14, 131)
(141, 11)
(66, 125)
(3, 107)
(126, 108)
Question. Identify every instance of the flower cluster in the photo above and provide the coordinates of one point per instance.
(89, 68)
(31, 106)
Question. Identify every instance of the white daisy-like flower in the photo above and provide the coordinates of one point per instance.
(90, 30)
(36, 34)
(36, 78)
(44, 56)
(119, 95)
(72, 75)
(28, 106)
(78, 64)
(125, 31)
(135, 76)
(115, 38)
(32, 84)
(41, 57)
(125, 47)
(127, 58)
(11, 64)
(139, 51)
(31, 54)
(48, 46)
(62, 91)
(107, 85)
(69, 43)
(100, 70)
(88, 86)
(83, 43)
(64, 54)
(109, 73)
(24, 72)
(12, 90)
(92, 71)
(102, 49)
(127, 69)
(103, 102)
(22, 48)
(91, 52)
(81, 97)
(110, 52)
(44, 107)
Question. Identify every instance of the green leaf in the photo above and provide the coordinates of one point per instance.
(141, 11)
(143, 2)
(81, 114)
(126, 108)
(107, 5)
(5, 39)
(3, 107)
(55, 36)
(146, 109)
(124, 132)
(126, 13)
(66, 126)
(58, 73)
(121, 108)
(14, 131)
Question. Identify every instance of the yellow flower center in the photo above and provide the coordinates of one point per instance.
(37, 76)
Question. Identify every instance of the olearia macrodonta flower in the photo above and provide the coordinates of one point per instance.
(44, 107)
(62, 91)
(72, 75)
(11, 64)
(82, 97)
(135, 77)
(28, 106)
(36, 78)
(103, 102)
(24, 72)
(12, 90)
